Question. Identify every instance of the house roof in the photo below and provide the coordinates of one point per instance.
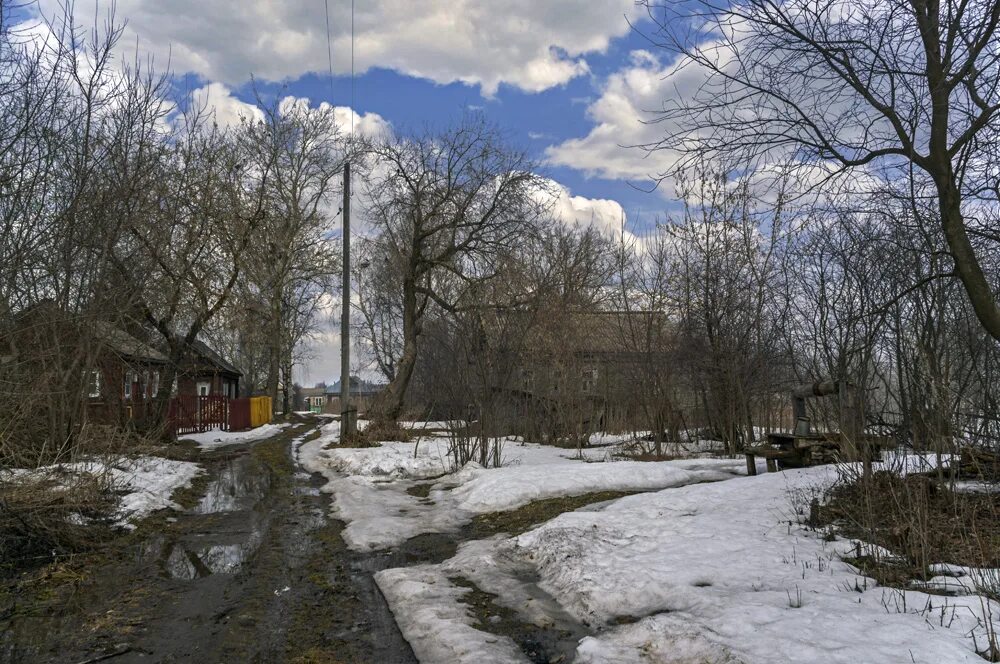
(312, 391)
(358, 387)
(210, 356)
(596, 332)
(124, 344)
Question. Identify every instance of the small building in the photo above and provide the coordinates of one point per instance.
(362, 394)
(312, 399)
(126, 375)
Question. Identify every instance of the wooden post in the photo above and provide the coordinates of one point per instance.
(346, 420)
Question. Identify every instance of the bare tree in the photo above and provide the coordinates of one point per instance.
(189, 235)
(78, 135)
(293, 264)
(442, 205)
(896, 89)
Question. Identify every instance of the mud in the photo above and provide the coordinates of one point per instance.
(252, 572)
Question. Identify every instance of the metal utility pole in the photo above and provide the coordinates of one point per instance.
(347, 414)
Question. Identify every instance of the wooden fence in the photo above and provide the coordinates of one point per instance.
(260, 411)
(192, 414)
(239, 414)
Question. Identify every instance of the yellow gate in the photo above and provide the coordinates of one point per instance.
(260, 411)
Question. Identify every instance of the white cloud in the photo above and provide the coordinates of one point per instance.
(219, 103)
(621, 115)
(346, 118)
(529, 44)
(602, 213)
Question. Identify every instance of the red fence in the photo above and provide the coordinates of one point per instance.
(239, 414)
(191, 414)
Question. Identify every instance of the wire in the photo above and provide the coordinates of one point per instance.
(329, 47)
(353, 111)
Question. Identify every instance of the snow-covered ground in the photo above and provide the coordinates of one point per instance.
(144, 484)
(208, 440)
(370, 484)
(695, 570)
(719, 572)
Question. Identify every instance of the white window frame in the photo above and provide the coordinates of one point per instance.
(127, 388)
(155, 389)
(95, 384)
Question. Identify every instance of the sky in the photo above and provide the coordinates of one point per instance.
(573, 82)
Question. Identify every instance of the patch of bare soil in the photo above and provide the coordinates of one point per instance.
(541, 646)
(522, 519)
(251, 571)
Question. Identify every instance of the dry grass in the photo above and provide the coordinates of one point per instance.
(919, 519)
(51, 515)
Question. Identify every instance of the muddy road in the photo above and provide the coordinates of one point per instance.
(252, 571)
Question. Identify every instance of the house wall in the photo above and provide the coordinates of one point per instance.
(112, 405)
(188, 385)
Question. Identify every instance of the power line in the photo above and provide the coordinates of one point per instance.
(329, 47)
(353, 111)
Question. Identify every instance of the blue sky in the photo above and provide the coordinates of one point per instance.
(568, 80)
(533, 121)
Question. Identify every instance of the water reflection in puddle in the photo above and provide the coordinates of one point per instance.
(182, 560)
(239, 486)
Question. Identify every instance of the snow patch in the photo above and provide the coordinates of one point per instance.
(209, 440)
(144, 483)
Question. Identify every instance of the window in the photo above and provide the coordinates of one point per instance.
(129, 379)
(588, 382)
(155, 386)
(94, 384)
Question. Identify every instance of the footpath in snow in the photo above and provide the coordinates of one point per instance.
(372, 487)
(695, 571)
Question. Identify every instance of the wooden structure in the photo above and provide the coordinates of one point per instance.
(206, 373)
(804, 447)
(195, 414)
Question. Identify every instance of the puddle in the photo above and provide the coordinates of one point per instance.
(239, 486)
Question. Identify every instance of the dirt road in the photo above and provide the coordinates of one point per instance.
(253, 572)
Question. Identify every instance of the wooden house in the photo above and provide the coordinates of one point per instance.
(206, 373)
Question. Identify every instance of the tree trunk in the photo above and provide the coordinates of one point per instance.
(966, 264)
(390, 403)
(286, 384)
(161, 402)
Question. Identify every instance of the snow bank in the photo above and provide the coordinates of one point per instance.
(496, 490)
(429, 612)
(661, 639)
(208, 440)
(144, 484)
(370, 484)
(724, 572)
(393, 459)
